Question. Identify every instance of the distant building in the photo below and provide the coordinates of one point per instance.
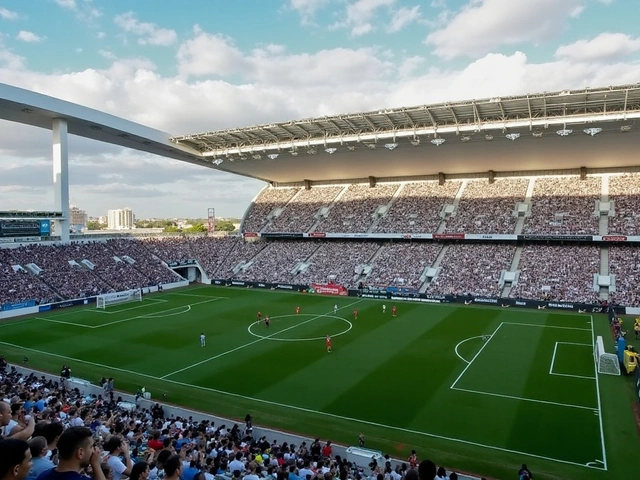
(120, 219)
(77, 219)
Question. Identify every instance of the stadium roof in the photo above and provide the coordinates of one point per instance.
(35, 109)
(453, 137)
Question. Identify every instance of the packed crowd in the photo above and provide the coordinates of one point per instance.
(336, 262)
(488, 207)
(402, 265)
(49, 431)
(355, 211)
(624, 192)
(63, 274)
(564, 205)
(300, 213)
(472, 270)
(562, 273)
(277, 261)
(418, 206)
(268, 200)
(624, 263)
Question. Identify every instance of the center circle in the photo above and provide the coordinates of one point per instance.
(313, 339)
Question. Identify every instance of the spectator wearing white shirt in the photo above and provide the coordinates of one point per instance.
(115, 447)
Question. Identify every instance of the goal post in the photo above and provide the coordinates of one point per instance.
(607, 363)
(107, 299)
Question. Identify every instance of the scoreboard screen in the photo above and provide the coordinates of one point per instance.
(22, 228)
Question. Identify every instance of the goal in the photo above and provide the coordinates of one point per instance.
(108, 299)
(607, 363)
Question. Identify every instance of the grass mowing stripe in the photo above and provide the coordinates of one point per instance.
(261, 339)
(595, 368)
(315, 412)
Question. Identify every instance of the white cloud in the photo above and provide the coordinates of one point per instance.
(109, 55)
(603, 48)
(307, 8)
(482, 25)
(147, 33)
(29, 37)
(7, 14)
(359, 15)
(221, 85)
(402, 17)
(68, 4)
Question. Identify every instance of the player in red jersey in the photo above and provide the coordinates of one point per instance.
(267, 322)
(258, 316)
(413, 459)
(297, 310)
(328, 343)
(355, 314)
(394, 311)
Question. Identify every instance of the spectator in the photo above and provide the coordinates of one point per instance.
(15, 459)
(77, 451)
(40, 462)
(115, 447)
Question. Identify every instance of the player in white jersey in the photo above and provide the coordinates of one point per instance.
(203, 340)
(335, 309)
(384, 309)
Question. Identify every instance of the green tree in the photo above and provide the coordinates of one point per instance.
(197, 228)
(225, 226)
(95, 226)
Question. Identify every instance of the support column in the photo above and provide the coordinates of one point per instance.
(61, 176)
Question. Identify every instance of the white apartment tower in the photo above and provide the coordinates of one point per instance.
(120, 219)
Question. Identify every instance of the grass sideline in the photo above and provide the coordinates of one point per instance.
(425, 379)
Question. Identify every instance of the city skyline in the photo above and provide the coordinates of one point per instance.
(212, 66)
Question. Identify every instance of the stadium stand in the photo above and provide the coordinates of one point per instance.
(267, 201)
(488, 207)
(402, 265)
(300, 214)
(418, 207)
(562, 273)
(624, 192)
(17, 285)
(624, 263)
(277, 261)
(354, 211)
(564, 205)
(472, 270)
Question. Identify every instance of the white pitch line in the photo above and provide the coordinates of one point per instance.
(547, 326)
(460, 343)
(63, 322)
(199, 296)
(553, 358)
(595, 368)
(525, 399)
(314, 412)
(476, 356)
(252, 342)
(572, 376)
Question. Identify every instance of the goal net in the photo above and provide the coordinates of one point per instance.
(108, 299)
(607, 363)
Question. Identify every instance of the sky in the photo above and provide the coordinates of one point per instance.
(201, 65)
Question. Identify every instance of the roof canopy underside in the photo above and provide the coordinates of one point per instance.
(558, 130)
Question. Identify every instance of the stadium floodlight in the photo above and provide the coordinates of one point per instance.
(312, 151)
(273, 156)
(293, 152)
(256, 156)
(243, 156)
(390, 146)
(488, 137)
(351, 148)
(217, 161)
(625, 128)
(331, 150)
(372, 146)
(438, 141)
(565, 132)
(537, 133)
(465, 138)
(415, 141)
(512, 136)
(593, 131)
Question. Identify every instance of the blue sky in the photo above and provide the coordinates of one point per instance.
(194, 65)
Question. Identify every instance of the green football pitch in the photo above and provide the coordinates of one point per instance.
(479, 389)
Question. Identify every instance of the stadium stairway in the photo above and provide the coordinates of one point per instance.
(321, 219)
(456, 202)
(394, 197)
(506, 290)
(603, 226)
(527, 201)
(604, 270)
(436, 264)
